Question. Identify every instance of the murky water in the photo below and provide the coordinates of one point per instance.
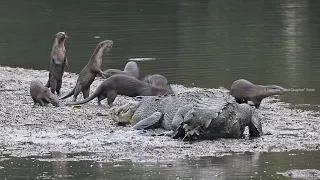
(204, 44)
(232, 166)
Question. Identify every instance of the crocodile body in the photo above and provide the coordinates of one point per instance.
(206, 114)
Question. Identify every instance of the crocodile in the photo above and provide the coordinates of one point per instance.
(200, 113)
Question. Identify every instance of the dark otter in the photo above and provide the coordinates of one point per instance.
(42, 95)
(90, 71)
(130, 69)
(245, 91)
(157, 80)
(122, 85)
(58, 63)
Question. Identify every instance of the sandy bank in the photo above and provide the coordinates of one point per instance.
(36, 131)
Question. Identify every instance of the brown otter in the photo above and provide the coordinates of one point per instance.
(245, 91)
(58, 63)
(42, 95)
(89, 72)
(130, 69)
(122, 85)
(158, 80)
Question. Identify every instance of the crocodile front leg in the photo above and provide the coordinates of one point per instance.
(247, 116)
(255, 127)
(151, 122)
(180, 115)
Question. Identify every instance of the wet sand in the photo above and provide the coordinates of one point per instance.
(28, 130)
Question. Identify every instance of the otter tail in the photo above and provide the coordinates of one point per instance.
(92, 96)
(69, 94)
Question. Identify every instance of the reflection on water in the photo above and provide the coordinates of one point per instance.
(232, 166)
(200, 43)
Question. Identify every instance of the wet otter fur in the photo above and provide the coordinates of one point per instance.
(244, 91)
(120, 84)
(130, 69)
(42, 95)
(90, 71)
(157, 80)
(58, 63)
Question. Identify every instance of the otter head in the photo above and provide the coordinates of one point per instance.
(53, 99)
(61, 36)
(275, 90)
(156, 79)
(163, 90)
(106, 44)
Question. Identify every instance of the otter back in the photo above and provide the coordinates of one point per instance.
(130, 69)
(120, 84)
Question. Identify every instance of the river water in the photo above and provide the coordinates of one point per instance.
(205, 44)
(235, 166)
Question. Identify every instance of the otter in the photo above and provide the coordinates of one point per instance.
(42, 95)
(157, 80)
(58, 63)
(120, 84)
(245, 91)
(90, 71)
(110, 72)
(130, 69)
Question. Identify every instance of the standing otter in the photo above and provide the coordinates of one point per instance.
(131, 69)
(122, 85)
(157, 80)
(90, 71)
(42, 95)
(58, 63)
(245, 91)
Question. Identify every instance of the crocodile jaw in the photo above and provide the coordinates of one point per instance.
(123, 116)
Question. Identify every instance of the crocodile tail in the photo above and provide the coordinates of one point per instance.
(69, 94)
(92, 96)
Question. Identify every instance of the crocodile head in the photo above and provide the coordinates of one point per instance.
(135, 111)
(123, 114)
